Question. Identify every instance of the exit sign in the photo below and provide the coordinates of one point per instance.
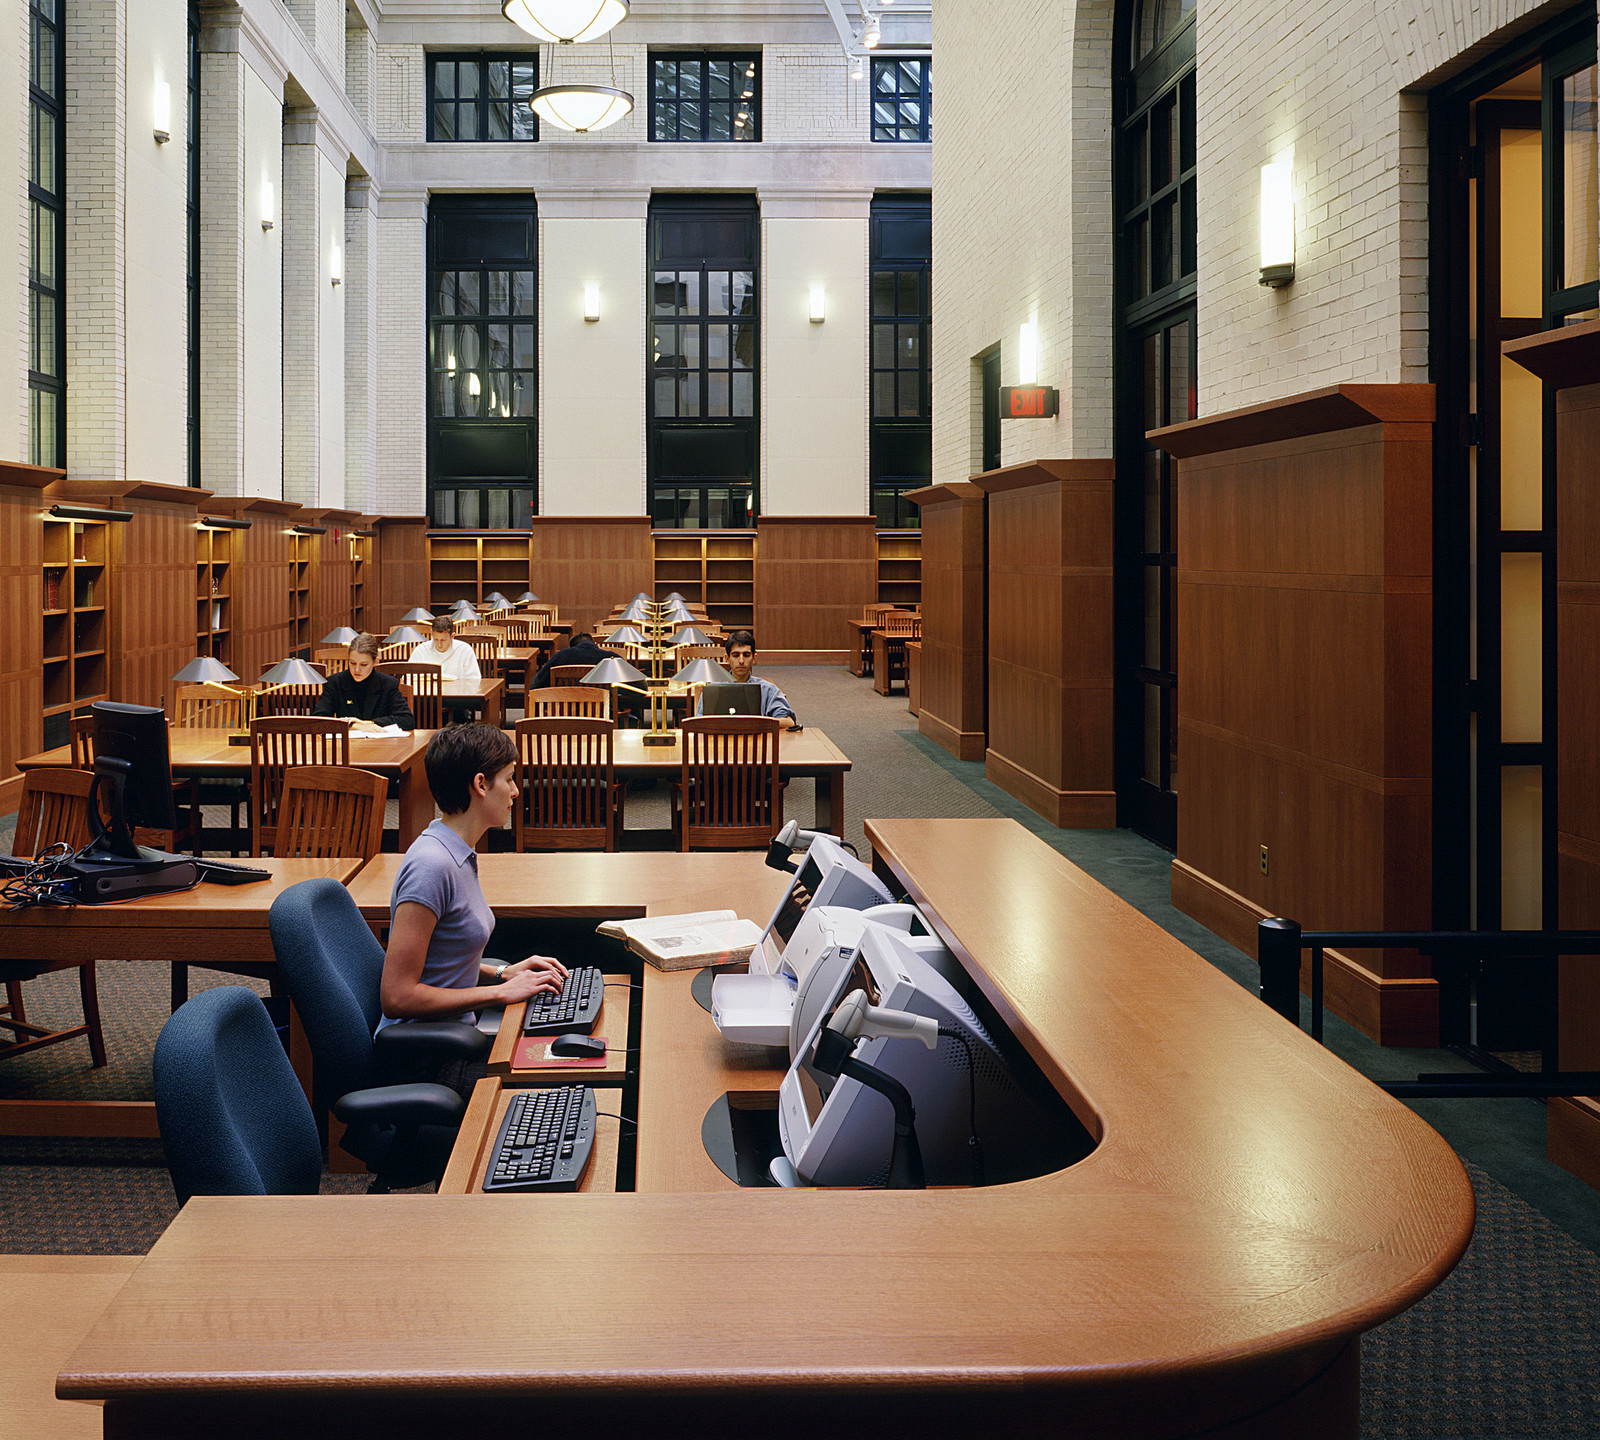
(1029, 402)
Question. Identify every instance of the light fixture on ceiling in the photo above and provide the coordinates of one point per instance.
(872, 34)
(857, 67)
(581, 108)
(163, 112)
(565, 22)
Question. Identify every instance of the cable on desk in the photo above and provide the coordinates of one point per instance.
(622, 984)
(44, 881)
(620, 1119)
(975, 1147)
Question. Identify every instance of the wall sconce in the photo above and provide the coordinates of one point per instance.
(1028, 353)
(591, 301)
(163, 112)
(818, 305)
(336, 265)
(1277, 224)
(266, 204)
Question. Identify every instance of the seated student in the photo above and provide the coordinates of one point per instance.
(455, 658)
(581, 650)
(439, 921)
(740, 647)
(364, 693)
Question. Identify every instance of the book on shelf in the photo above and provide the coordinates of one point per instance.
(687, 942)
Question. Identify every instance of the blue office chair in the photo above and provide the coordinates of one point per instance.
(233, 1118)
(331, 964)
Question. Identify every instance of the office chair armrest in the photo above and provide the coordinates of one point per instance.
(404, 1052)
(403, 1105)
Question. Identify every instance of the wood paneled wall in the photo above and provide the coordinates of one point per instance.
(812, 574)
(262, 628)
(400, 568)
(1303, 619)
(954, 678)
(1050, 637)
(586, 565)
(151, 571)
(22, 601)
(331, 569)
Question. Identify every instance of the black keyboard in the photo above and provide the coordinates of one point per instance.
(575, 1009)
(545, 1142)
(230, 872)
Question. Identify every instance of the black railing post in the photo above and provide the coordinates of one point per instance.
(1278, 953)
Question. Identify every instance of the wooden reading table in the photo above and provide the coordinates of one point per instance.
(487, 695)
(1251, 1207)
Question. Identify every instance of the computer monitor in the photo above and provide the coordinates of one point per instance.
(730, 700)
(836, 1131)
(133, 775)
(829, 875)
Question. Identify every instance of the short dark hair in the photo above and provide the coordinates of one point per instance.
(457, 754)
(738, 637)
(365, 644)
(443, 625)
(579, 638)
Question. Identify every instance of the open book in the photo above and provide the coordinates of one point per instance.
(376, 732)
(687, 942)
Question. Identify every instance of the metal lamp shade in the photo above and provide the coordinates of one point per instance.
(205, 669)
(416, 615)
(339, 635)
(627, 635)
(527, 598)
(498, 600)
(612, 671)
(636, 612)
(702, 672)
(291, 672)
(463, 607)
(673, 598)
(678, 615)
(404, 635)
(691, 635)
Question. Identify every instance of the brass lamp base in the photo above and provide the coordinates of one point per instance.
(655, 737)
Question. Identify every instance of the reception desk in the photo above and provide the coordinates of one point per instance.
(1252, 1205)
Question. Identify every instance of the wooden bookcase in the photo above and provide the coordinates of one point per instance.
(300, 547)
(360, 554)
(469, 567)
(900, 567)
(77, 624)
(714, 568)
(213, 593)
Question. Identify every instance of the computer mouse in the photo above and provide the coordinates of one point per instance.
(577, 1047)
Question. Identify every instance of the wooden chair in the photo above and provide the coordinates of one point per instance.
(209, 706)
(687, 654)
(277, 743)
(728, 796)
(54, 810)
(590, 701)
(335, 657)
(329, 811)
(287, 699)
(569, 798)
(426, 683)
(515, 630)
(568, 674)
(889, 644)
(391, 654)
(487, 649)
(82, 734)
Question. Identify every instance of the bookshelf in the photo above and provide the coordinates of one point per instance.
(213, 593)
(300, 636)
(900, 567)
(714, 568)
(76, 624)
(360, 554)
(468, 567)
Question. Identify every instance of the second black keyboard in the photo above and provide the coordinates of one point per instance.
(545, 1142)
(575, 1009)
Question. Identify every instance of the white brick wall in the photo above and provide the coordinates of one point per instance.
(592, 65)
(400, 479)
(222, 221)
(400, 93)
(302, 311)
(360, 346)
(360, 64)
(807, 94)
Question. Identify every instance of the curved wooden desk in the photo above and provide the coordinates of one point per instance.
(1253, 1206)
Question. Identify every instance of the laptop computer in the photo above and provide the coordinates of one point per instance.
(730, 700)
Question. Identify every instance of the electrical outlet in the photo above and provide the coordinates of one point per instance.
(1263, 859)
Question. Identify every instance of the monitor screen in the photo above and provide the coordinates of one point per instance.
(137, 734)
(799, 895)
(814, 1086)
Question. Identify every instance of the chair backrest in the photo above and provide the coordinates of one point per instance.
(390, 653)
(335, 657)
(332, 965)
(731, 797)
(684, 654)
(590, 701)
(287, 699)
(566, 780)
(569, 674)
(208, 706)
(515, 630)
(330, 810)
(82, 729)
(874, 613)
(487, 649)
(55, 807)
(899, 622)
(426, 683)
(233, 1118)
(276, 743)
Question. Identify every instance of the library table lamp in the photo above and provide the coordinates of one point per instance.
(636, 611)
(627, 635)
(690, 635)
(499, 601)
(416, 615)
(620, 675)
(404, 635)
(205, 670)
(339, 635)
(527, 598)
(292, 671)
(701, 672)
(673, 598)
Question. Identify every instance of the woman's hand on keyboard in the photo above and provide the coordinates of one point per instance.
(550, 972)
(520, 983)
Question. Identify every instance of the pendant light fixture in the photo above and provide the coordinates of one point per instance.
(581, 108)
(565, 22)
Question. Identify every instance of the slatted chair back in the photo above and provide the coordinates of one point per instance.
(427, 690)
(568, 674)
(390, 654)
(278, 742)
(729, 794)
(210, 707)
(589, 701)
(331, 811)
(334, 657)
(687, 654)
(487, 648)
(567, 784)
(287, 699)
(83, 742)
(55, 807)
(515, 630)
(900, 623)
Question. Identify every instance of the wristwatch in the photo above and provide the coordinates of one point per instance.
(500, 970)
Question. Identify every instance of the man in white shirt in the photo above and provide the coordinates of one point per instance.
(453, 656)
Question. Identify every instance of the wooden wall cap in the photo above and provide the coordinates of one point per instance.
(399, 519)
(1043, 472)
(267, 506)
(1565, 357)
(344, 519)
(945, 492)
(761, 520)
(91, 491)
(28, 477)
(1317, 412)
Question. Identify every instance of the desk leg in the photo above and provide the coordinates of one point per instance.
(830, 803)
(492, 714)
(416, 804)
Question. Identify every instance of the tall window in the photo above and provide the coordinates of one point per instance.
(704, 393)
(47, 240)
(902, 430)
(901, 100)
(1155, 385)
(482, 97)
(483, 347)
(705, 97)
(192, 265)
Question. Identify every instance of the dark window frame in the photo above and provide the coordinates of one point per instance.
(922, 97)
(482, 100)
(44, 382)
(897, 436)
(704, 58)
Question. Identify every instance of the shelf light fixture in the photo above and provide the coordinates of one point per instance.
(1277, 224)
(163, 112)
(90, 512)
(218, 522)
(309, 529)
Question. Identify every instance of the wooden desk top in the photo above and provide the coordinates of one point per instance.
(203, 752)
(806, 752)
(469, 689)
(612, 1026)
(1252, 1203)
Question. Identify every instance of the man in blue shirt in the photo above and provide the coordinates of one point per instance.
(740, 646)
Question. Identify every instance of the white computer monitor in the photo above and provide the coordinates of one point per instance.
(829, 875)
